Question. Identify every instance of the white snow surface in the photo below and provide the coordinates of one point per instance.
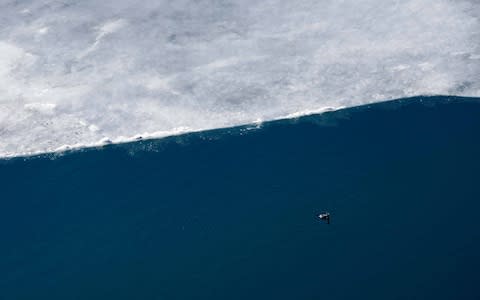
(83, 73)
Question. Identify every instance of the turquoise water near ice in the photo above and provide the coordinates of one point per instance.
(231, 213)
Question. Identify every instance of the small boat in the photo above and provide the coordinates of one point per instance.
(325, 217)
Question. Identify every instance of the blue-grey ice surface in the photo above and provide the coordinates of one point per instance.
(83, 73)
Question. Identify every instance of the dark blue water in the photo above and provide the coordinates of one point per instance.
(231, 214)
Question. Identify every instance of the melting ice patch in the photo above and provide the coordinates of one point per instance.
(84, 73)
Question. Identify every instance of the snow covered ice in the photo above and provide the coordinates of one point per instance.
(83, 73)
